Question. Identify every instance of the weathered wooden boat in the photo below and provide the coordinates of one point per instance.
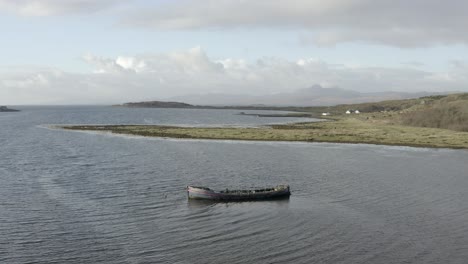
(197, 192)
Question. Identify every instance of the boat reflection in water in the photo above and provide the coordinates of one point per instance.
(204, 193)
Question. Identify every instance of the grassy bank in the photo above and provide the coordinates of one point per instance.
(434, 121)
(366, 128)
(450, 112)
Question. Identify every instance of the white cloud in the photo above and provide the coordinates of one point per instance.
(400, 22)
(54, 7)
(458, 64)
(159, 76)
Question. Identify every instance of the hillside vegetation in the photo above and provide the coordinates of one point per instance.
(449, 112)
(441, 111)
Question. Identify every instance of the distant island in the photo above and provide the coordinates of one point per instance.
(164, 104)
(6, 109)
(157, 104)
(432, 121)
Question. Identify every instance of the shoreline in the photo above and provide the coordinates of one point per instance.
(339, 129)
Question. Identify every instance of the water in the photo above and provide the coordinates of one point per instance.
(73, 197)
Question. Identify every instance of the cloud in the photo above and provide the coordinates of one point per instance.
(458, 64)
(399, 23)
(192, 61)
(54, 7)
(164, 75)
(413, 63)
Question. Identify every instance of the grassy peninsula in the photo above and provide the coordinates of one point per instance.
(437, 121)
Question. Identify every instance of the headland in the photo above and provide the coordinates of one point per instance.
(433, 121)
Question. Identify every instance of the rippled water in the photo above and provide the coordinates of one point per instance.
(72, 197)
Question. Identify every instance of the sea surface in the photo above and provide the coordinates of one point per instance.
(80, 197)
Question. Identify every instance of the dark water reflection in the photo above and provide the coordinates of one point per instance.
(70, 197)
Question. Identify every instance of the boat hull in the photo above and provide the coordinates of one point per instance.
(203, 193)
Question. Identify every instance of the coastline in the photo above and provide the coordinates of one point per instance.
(362, 129)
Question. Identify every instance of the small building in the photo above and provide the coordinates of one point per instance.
(348, 112)
(325, 114)
(357, 112)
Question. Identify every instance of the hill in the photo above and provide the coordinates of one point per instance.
(448, 112)
(440, 111)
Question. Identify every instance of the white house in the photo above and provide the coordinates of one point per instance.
(348, 112)
(357, 112)
(325, 114)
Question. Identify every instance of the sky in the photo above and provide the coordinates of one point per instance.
(115, 51)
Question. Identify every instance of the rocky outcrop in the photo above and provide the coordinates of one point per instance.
(6, 109)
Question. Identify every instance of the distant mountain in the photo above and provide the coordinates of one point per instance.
(312, 96)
